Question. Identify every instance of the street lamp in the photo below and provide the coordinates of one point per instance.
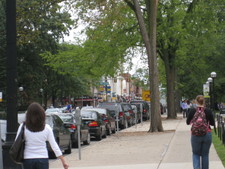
(20, 97)
(21, 89)
(210, 91)
(41, 91)
(11, 71)
(213, 76)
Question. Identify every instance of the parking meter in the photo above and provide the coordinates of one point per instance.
(117, 118)
(77, 116)
(141, 109)
(78, 123)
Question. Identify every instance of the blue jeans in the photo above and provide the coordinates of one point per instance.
(200, 148)
(37, 163)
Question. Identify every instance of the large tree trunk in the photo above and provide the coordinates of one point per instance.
(170, 79)
(156, 123)
(150, 44)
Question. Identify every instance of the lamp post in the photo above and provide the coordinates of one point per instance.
(11, 104)
(41, 92)
(213, 76)
(20, 98)
(210, 91)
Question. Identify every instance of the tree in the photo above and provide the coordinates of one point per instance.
(148, 33)
(198, 46)
(40, 26)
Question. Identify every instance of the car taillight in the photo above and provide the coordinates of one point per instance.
(121, 114)
(145, 110)
(73, 126)
(93, 124)
(106, 121)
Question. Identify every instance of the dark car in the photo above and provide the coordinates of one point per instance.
(96, 124)
(70, 123)
(108, 118)
(146, 108)
(61, 133)
(129, 113)
(117, 109)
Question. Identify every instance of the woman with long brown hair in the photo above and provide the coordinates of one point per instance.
(36, 134)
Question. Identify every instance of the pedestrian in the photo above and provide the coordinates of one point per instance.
(201, 144)
(189, 105)
(68, 108)
(184, 108)
(36, 134)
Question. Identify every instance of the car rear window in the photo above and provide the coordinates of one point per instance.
(126, 107)
(89, 115)
(101, 111)
(48, 120)
(66, 118)
(110, 106)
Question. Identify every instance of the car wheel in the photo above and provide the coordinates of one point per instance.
(75, 144)
(109, 132)
(74, 141)
(99, 137)
(126, 124)
(105, 135)
(68, 150)
(114, 130)
(88, 141)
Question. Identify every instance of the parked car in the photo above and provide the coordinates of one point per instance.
(117, 109)
(53, 110)
(129, 113)
(139, 111)
(61, 133)
(3, 126)
(21, 117)
(70, 123)
(96, 125)
(108, 118)
(146, 108)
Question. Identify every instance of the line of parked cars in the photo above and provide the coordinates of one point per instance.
(98, 122)
(127, 114)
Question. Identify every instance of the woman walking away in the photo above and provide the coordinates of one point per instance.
(36, 134)
(201, 138)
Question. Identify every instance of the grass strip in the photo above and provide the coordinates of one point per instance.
(220, 148)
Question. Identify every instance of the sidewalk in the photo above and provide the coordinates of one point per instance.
(134, 148)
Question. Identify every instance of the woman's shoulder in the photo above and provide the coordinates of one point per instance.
(47, 127)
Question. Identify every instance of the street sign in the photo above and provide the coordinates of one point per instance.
(206, 90)
(104, 83)
(146, 95)
(101, 88)
(108, 89)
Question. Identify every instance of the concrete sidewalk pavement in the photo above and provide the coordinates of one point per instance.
(134, 148)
